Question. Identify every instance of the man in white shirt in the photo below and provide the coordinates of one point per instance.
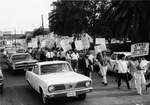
(121, 66)
(49, 55)
(74, 60)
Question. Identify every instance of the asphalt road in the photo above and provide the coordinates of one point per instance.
(16, 92)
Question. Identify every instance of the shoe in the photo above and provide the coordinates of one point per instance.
(105, 84)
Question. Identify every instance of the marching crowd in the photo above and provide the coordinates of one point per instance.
(132, 72)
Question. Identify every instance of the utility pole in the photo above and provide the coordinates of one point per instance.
(15, 37)
(42, 25)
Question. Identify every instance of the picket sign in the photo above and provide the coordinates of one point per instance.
(34, 42)
(79, 45)
(100, 45)
(65, 45)
(139, 49)
(85, 42)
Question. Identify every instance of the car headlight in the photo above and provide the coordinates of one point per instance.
(51, 88)
(88, 84)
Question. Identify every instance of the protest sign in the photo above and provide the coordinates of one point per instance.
(85, 42)
(139, 49)
(50, 41)
(79, 45)
(65, 45)
(34, 42)
(101, 45)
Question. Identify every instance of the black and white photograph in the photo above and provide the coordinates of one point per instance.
(75, 52)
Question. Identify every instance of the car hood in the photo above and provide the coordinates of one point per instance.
(64, 77)
(25, 61)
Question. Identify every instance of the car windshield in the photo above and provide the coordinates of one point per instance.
(55, 68)
(22, 57)
(114, 56)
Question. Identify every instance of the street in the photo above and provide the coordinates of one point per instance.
(17, 92)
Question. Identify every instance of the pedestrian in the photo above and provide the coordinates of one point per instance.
(62, 55)
(68, 57)
(148, 69)
(122, 71)
(91, 59)
(74, 60)
(140, 78)
(103, 62)
(49, 55)
(34, 51)
(133, 69)
(98, 59)
(42, 55)
(85, 65)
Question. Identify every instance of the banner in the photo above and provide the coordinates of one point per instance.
(100, 42)
(79, 45)
(139, 49)
(65, 45)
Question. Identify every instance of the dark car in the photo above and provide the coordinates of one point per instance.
(21, 61)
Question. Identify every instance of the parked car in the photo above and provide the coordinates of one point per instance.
(1, 81)
(114, 58)
(54, 79)
(21, 61)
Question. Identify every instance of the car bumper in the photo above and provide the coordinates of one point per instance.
(65, 94)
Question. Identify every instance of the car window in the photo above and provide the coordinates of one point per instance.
(54, 68)
(114, 56)
(22, 57)
(36, 69)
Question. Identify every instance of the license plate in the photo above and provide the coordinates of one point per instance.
(71, 93)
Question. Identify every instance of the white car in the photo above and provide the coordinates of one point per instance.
(114, 58)
(57, 79)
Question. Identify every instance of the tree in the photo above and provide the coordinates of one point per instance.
(67, 18)
(74, 17)
(131, 19)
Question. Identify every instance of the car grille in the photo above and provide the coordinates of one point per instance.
(59, 87)
(70, 86)
(80, 85)
(24, 65)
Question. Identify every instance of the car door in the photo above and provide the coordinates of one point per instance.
(35, 77)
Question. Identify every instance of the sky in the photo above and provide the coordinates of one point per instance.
(24, 15)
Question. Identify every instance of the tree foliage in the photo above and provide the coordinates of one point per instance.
(131, 19)
(72, 17)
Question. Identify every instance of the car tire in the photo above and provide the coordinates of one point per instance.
(44, 99)
(82, 96)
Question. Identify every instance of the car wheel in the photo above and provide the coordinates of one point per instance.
(82, 96)
(44, 99)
